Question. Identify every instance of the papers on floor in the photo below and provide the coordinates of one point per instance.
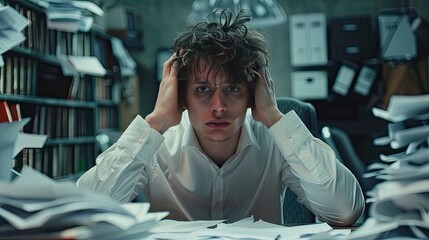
(35, 206)
(243, 229)
(401, 201)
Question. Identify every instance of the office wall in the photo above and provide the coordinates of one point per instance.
(163, 19)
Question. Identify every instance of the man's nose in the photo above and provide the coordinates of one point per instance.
(217, 104)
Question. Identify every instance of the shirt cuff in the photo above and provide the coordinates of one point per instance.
(139, 134)
(291, 133)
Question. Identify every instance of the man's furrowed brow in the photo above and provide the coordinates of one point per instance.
(200, 81)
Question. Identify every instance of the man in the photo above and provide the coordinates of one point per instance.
(216, 146)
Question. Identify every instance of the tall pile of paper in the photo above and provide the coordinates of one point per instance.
(66, 15)
(400, 204)
(36, 207)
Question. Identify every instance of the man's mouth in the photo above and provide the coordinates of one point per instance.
(218, 124)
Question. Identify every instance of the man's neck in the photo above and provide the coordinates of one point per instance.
(220, 152)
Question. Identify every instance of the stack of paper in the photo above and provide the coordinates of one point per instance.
(11, 25)
(400, 204)
(66, 15)
(36, 207)
(409, 117)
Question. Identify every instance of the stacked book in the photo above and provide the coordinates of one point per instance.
(400, 203)
(36, 207)
(70, 16)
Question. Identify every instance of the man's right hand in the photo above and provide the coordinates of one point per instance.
(168, 110)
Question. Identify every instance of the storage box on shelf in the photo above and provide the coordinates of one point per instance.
(70, 109)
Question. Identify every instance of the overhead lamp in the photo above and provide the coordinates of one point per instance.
(265, 13)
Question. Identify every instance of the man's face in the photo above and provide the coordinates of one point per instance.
(217, 108)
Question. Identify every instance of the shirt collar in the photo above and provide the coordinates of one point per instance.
(247, 136)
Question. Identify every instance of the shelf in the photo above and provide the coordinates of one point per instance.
(71, 110)
(46, 58)
(48, 101)
(106, 103)
(70, 141)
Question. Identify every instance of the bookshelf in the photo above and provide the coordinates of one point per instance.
(71, 109)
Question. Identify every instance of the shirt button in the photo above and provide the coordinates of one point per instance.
(289, 135)
(140, 139)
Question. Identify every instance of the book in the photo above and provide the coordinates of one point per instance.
(5, 114)
(15, 111)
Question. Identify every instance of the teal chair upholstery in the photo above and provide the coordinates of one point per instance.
(342, 145)
(293, 211)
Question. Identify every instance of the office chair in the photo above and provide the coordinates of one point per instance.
(106, 139)
(293, 211)
(340, 142)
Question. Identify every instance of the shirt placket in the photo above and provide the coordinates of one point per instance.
(217, 198)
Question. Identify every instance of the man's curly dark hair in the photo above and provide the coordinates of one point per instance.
(225, 42)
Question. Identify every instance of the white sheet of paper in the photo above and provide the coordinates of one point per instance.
(25, 140)
(402, 107)
(7, 142)
(43, 199)
(269, 233)
(10, 18)
(173, 226)
(90, 6)
(87, 65)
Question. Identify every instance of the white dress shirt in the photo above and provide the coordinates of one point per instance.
(176, 176)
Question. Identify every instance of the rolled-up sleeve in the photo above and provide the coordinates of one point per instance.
(312, 171)
(122, 171)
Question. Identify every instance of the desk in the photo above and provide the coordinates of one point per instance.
(243, 229)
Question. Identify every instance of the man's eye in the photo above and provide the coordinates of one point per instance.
(233, 89)
(202, 89)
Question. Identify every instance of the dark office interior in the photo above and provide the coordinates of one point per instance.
(340, 60)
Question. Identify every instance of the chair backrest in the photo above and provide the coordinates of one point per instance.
(304, 110)
(293, 211)
(340, 142)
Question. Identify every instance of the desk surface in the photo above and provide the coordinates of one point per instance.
(243, 229)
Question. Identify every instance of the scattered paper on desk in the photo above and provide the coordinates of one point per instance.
(269, 233)
(35, 204)
(173, 226)
(244, 229)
